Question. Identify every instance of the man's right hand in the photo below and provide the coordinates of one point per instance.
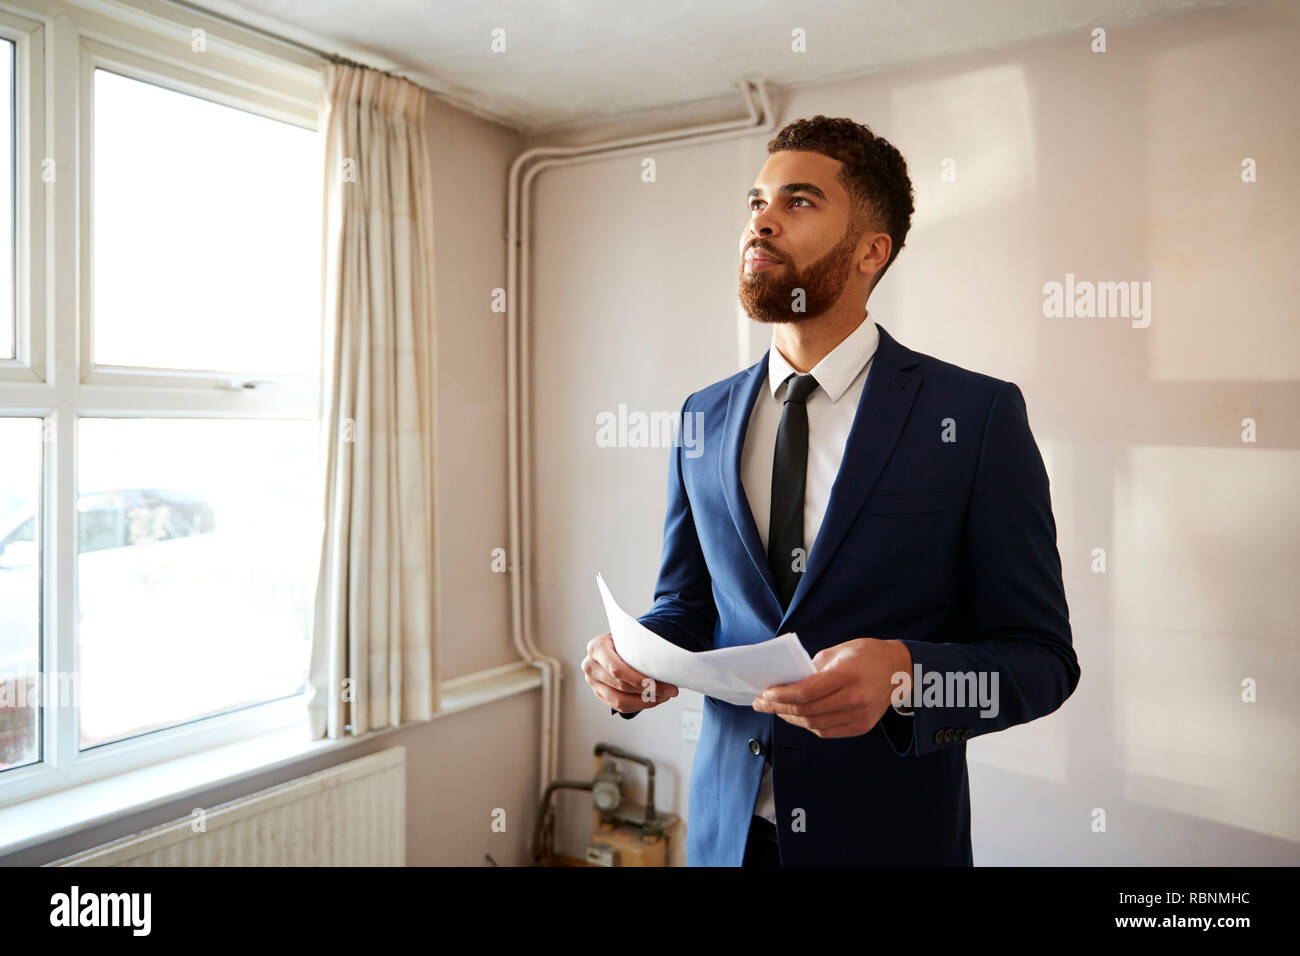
(617, 684)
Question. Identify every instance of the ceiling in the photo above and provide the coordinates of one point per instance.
(568, 62)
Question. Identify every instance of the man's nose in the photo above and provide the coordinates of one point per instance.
(758, 226)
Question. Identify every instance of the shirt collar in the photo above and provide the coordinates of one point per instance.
(836, 372)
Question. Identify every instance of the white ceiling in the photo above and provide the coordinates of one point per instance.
(575, 61)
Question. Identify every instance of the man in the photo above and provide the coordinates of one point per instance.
(890, 508)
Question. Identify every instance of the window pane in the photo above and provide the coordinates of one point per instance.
(20, 590)
(197, 569)
(7, 311)
(206, 233)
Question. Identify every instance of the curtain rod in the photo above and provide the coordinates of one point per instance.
(297, 44)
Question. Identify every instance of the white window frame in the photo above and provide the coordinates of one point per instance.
(59, 44)
(28, 37)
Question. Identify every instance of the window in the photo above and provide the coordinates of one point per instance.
(20, 588)
(160, 413)
(8, 269)
(196, 570)
(206, 234)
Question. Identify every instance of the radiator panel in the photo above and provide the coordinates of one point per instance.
(350, 815)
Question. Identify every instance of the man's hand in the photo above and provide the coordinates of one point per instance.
(617, 684)
(849, 693)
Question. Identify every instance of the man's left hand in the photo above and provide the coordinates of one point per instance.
(849, 693)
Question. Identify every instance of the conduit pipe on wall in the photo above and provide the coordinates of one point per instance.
(519, 398)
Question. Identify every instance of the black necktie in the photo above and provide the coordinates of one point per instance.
(789, 468)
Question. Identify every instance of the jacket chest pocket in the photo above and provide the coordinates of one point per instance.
(910, 504)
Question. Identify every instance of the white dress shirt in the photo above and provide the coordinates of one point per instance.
(840, 376)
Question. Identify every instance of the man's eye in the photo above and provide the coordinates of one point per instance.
(794, 199)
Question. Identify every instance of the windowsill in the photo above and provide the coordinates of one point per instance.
(30, 821)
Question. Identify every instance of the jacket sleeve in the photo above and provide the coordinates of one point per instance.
(1020, 633)
(683, 611)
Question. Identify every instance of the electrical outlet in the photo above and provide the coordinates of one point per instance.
(691, 721)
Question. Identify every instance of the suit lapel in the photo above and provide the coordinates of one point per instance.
(886, 400)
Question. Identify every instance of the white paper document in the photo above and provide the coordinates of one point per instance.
(734, 674)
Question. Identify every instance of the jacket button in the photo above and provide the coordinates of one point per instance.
(755, 747)
(938, 737)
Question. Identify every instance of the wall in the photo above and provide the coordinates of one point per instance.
(1115, 167)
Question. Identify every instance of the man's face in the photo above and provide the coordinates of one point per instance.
(799, 216)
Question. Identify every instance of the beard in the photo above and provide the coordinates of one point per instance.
(768, 296)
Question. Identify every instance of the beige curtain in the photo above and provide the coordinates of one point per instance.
(374, 655)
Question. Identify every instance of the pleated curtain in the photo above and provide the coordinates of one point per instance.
(373, 659)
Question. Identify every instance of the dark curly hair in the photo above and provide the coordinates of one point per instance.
(872, 172)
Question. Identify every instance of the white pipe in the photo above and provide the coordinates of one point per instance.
(519, 399)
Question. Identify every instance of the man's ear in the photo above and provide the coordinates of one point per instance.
(873, 252)
(882, 239)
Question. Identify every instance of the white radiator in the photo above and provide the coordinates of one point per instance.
(350, 815)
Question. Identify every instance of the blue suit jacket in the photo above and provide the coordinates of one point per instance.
(948, 546)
